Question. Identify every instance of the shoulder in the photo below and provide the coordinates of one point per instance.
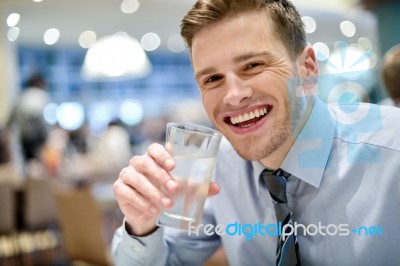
(367, 123)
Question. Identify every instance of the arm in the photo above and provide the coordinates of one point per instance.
(142, 189)
(165, 246)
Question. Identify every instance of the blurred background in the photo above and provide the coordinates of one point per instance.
(84, 85)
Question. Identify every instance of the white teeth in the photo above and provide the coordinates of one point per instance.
(248, 116)
(252, 115)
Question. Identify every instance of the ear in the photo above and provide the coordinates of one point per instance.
(308, 70)
(307, 63)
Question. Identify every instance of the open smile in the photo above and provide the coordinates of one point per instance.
(249, 119)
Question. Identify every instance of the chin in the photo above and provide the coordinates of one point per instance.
(257, 148)
(250, 149)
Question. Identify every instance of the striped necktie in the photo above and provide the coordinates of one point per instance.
(287, 252)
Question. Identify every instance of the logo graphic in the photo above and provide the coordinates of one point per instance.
(249, 231)
(346, 89)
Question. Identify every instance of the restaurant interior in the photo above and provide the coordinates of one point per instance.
(114, 72)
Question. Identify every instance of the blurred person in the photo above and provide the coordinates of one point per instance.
(27, 117)
(150, 130)
(4, 150)
(8, 171)
(292, 161)
(112, 150)
(78, 139)
(391, 76)
(53, 152)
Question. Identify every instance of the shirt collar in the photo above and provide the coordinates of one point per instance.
(309, 154)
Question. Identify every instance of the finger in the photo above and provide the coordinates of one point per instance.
(145, 188)
(126, 196)
(213, 189)
(157, 175)
(161, 156)
(135, 215)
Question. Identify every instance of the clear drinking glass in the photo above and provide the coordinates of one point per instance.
(194, 149)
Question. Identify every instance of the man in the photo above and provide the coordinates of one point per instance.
(339, 164)
(28, 117)
(391, 76)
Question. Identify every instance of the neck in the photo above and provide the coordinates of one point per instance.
(275, 159)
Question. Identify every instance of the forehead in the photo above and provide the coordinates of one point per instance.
(249, 32)
(248, 21)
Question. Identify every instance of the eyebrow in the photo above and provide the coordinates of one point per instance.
(236, 60)
(244, 57)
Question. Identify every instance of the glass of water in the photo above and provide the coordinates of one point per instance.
(194, 149)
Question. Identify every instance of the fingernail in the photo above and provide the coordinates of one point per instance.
(170, 185)
(168, 163)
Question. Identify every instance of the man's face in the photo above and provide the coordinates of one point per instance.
(241, 69)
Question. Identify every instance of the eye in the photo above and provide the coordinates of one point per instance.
(253, 65)
(212, 78)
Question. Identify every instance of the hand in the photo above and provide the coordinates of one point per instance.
(146, 186)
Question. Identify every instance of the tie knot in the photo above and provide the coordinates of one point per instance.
(275, 181)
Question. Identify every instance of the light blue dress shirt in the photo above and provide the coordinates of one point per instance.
(345, 192)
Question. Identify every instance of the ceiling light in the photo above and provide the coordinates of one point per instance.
(309, 24)
(150, 41)
(114, 56)
(348, 28)
(71, 115)
(13, 34)
(87, 39)
(13, 19)
(129, 6)
(131, 112)
(51, 36)
(176, 44)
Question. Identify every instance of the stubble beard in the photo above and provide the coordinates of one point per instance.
(256, 147)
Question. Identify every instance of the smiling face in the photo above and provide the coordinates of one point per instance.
(241, 69)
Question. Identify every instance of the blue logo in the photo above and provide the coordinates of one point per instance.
(349, 117)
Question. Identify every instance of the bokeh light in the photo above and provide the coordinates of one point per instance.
(175, 43)
(13, 19)
(310, 25)
(129, 6)
(51, 36)
(150, 41)
(87, 39)
(131, 112)
(13, 33)
(348, 28)
(70, 115)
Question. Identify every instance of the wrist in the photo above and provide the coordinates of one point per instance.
(139, 231)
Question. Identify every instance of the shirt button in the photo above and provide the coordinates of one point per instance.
(136, 248)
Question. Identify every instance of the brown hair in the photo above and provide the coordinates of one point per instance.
(391, 72)
(287, 24)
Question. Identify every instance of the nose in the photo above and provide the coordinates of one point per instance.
(237, 90)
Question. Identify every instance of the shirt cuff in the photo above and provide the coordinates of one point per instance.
(143, 247)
